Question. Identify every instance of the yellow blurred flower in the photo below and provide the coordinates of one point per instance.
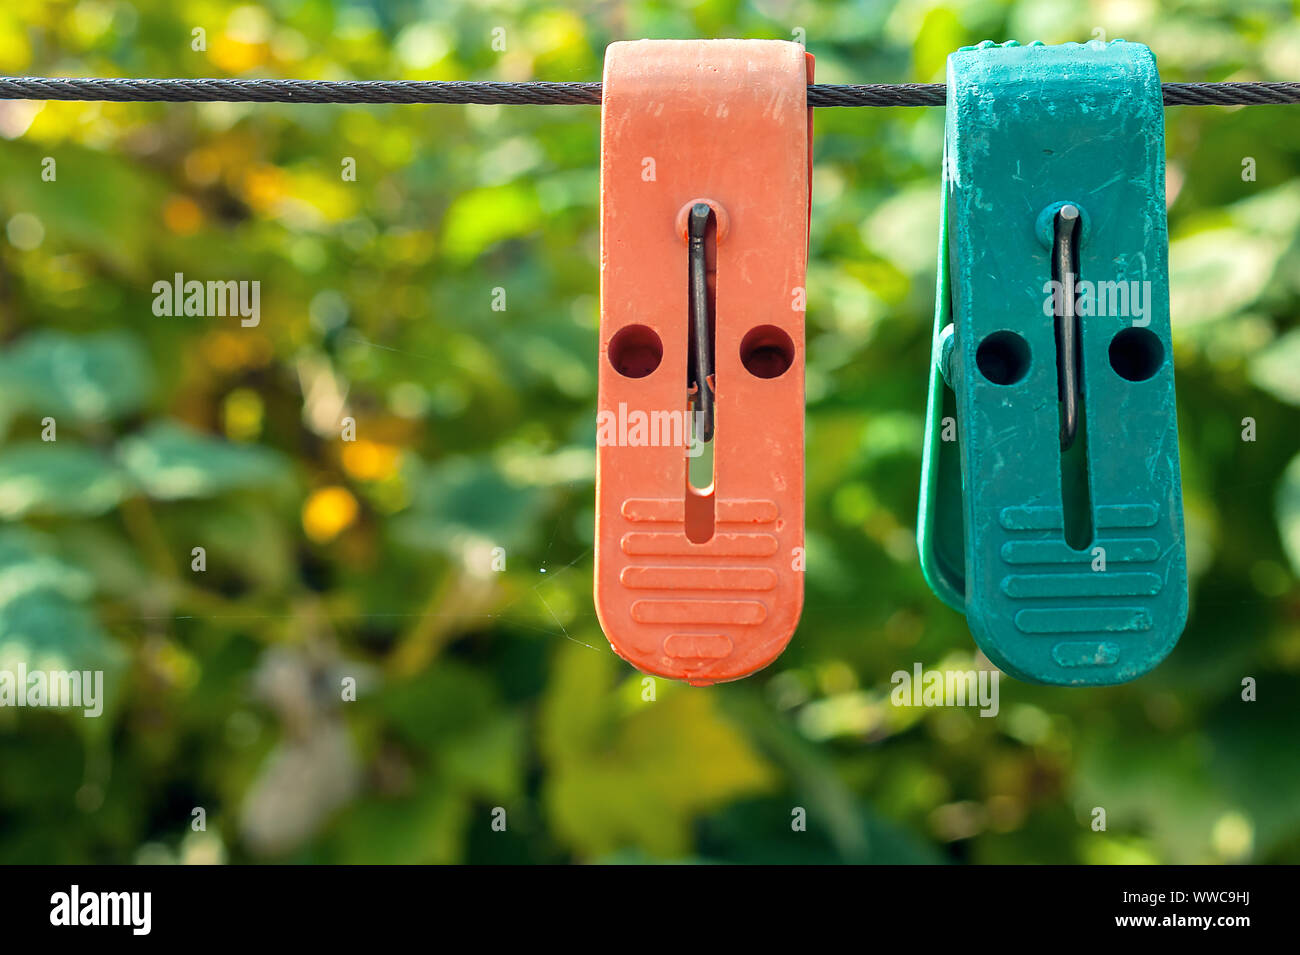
(328, 512)
(369, 460)
(203, 166)
(182, 215)
(242, 414)
(237, 56)
(15, 48)
(229, 351)
(262, 186)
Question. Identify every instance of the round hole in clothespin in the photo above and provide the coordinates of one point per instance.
(720, 218)
(1003, 358)
(766, 351)
(1136, 354)
(635, 351)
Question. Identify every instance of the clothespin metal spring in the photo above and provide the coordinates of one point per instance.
(700, 373)
(1065, 266)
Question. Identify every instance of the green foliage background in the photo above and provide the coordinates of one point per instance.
(476, 430)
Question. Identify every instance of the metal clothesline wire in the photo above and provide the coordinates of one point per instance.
(530, 93)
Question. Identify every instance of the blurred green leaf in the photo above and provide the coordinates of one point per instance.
(83, 377)
(636, 776)
(48, 632)
(468, 499)
(481, 217)
(1255, 759)
(57, 478)
(27, 565)
(43, 623)
(170, 462)
(488, 761)
(1276, 368)
(1288, 512)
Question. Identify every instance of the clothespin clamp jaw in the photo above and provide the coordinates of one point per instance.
(1051, 502)
(705, 186)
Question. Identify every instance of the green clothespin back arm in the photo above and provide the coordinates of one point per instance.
(940, 532)
(1051, 502)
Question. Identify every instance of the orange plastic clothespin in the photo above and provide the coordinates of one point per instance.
(705, 164)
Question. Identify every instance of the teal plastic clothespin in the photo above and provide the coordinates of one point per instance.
(1051, 504)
